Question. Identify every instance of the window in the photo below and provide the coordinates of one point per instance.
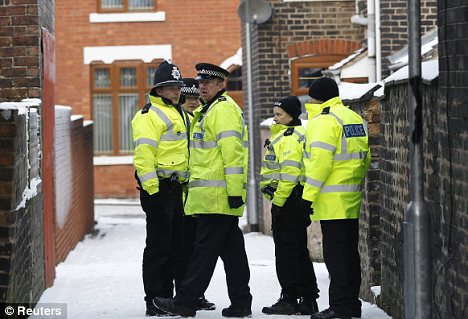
(306, 69)
(118, 91)
(126, 5)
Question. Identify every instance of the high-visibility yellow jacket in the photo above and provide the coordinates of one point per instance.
(218, 157)
(336, 159)
(282, 165)
(161, 144)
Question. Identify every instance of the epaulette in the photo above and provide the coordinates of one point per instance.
(145, 108)
(289, 131)
(222, 98)
(326, 110)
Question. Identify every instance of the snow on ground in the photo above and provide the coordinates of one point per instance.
(101, 277)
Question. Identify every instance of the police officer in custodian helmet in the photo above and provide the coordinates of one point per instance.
(161, 163)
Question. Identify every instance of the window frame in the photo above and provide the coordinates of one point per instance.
(124, 9)
(313, 61)
(237, 95)
(142, 89)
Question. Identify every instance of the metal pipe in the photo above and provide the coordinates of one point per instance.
(378, 43)
(371, 39)
(416, 224)
(252, 206)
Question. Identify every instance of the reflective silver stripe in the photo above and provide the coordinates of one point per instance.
(245, 144)
(298, 134)
(173, 137)
(207, 184)
(343, 157)
(271, 165)
(289, 178)
(341, 188)
(276, 140)
(313, 182)
(302, 178)
(271, 176)
(324, 146)
(202, 144)
(291, 163)
(163, 117)
(165, 173)
(145, 141)
(337, 118)
(228, 134)
(233, 170)
(306, 154)
(147, 176)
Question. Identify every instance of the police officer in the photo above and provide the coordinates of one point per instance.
(336, 159)
(190, 100)
(190, 96)
(161, 163)
(218, 174)
(282, 182)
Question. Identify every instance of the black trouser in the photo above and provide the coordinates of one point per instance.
(190, 229)
(217, 236)
(294, 269)
(341, 255)
(164, 213)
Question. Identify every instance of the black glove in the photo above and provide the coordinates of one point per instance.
(235, 201)
(307, 207)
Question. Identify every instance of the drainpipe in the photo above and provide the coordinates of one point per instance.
(378, 43)
(252, 206)
(416, 224)
(371, 39)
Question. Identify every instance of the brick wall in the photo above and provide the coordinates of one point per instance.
(394, 22)
(74, 200)
(448, 193)
(21, 217)
(369, 222)
(20, 55)
(198, 32)
(123, 183)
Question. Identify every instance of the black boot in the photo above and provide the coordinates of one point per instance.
(204, 304)
(173, 307)
(152, 311)
(284, 306)
(328, 314)
(236, 312)
(307, 306)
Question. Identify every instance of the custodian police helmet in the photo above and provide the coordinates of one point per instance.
(167, 74)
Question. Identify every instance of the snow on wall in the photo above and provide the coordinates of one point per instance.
(63, 168)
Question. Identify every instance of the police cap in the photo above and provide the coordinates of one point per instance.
(191, 87)
(206, 71)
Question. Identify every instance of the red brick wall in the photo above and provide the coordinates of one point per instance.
(115, 181)
(73, 182)
(207, 31)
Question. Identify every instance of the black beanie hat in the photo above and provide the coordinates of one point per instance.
(290, 105)
(323, 89)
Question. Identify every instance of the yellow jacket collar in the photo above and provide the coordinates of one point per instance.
(158, 100)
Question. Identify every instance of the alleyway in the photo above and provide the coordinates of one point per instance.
(101, 278)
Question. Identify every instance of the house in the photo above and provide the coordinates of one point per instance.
(106, 54)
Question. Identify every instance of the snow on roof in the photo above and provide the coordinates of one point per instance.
(236, 59)
(348, 59)
(428, 42)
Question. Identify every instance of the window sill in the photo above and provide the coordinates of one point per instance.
(112, 160)
(127, 17)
